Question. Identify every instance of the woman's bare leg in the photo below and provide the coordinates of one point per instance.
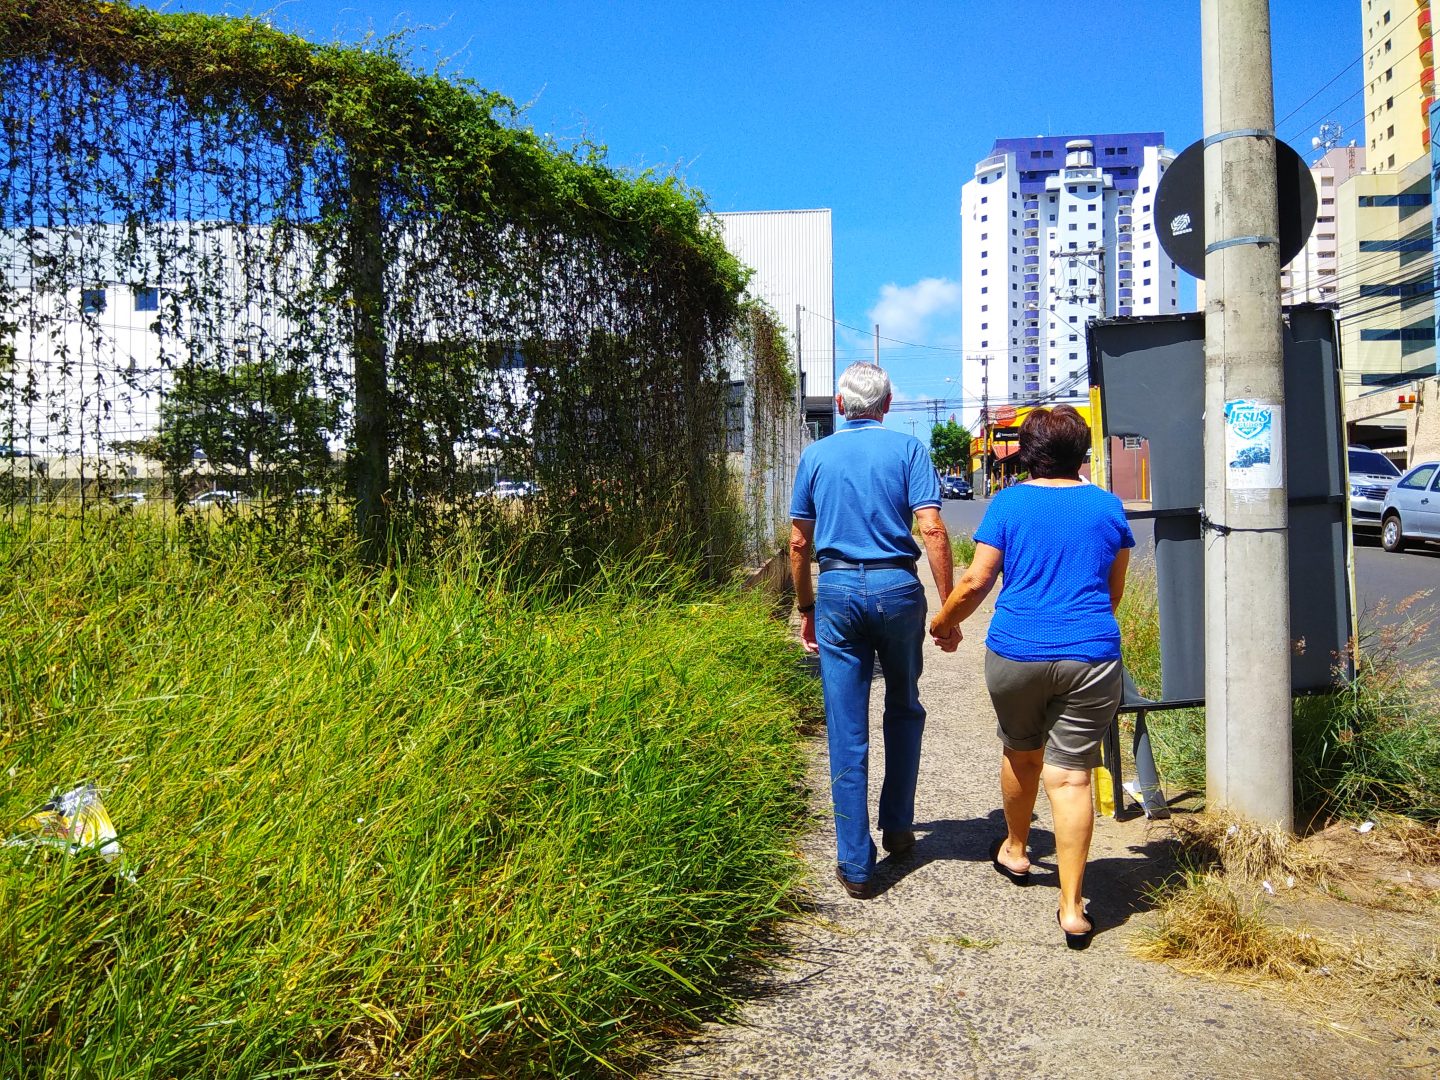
(1019, 784)
(1074, 814)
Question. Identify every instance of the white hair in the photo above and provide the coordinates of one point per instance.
(863, 390)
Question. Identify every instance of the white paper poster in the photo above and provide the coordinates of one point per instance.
(1254, 441)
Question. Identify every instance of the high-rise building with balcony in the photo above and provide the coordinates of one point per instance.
(1399, 80)
(1056, 231)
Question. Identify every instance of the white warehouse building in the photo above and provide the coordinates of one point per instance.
(791, 254)
(1056, 231)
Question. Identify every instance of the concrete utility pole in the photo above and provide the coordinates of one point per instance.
(1247, 595)
(877, 344)
(799, 369)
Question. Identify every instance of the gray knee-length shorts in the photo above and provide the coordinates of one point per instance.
(1063, 705)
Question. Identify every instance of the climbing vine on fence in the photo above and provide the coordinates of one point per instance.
(411, 301)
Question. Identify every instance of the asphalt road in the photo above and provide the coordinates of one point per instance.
(1382, 580)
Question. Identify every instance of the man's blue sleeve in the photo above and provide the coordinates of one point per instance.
(924, 482)
(802, 500)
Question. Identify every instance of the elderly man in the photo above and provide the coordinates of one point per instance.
(855, 495)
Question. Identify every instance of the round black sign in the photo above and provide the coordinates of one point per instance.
(1180, 206)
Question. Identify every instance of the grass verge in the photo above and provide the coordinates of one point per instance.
(393, 824)
(1371, 747)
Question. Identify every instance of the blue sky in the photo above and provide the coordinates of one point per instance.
(878, 112)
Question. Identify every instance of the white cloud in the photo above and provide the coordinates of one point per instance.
(906, 311)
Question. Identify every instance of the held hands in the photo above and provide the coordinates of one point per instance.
(946, 640)
(807, 632)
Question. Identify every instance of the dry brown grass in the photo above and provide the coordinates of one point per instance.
(1418, 843)
(1205, 926)
(1368, 973)
(1245, 851)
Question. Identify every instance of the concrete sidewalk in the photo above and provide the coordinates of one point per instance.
(951, 971)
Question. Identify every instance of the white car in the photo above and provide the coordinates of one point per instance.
(510, 489)
(128, 498)
(217, 498)
(1412, 508)
(1371, 476)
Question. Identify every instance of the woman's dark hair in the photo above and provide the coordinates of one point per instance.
(1053, 442)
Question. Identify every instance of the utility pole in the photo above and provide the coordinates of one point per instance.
(985, 425)
(877, 344)
(1248, 767)
(799, 369)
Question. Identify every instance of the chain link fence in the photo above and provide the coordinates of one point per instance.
(251, 280)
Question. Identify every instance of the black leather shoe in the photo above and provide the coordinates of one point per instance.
(898, 842)
(858, 890)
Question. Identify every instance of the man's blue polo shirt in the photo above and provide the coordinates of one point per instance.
(861, 486)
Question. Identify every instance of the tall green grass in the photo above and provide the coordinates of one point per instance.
(417, 825)
(1371, 746)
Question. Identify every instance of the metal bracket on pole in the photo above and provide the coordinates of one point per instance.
(1239, 133)
(1219, 245)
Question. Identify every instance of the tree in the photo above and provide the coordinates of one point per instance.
(247, 417)
(950, 447)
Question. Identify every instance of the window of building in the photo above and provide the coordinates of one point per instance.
(984, 198)
(1074, 337)
(1074, 356)
(1090, 188)
(1387, 49)
(1145, 282)
(984, 326)
(1385, 19)
(1091, 226)
(1389, 73)
(92, 300)
(147, 298)
(1073, 226)
(1390, 132)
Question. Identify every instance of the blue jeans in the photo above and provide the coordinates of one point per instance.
(859, 615)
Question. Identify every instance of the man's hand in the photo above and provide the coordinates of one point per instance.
(807, 633)
(948, 641)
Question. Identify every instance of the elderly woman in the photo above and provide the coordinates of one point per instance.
(1052, 663)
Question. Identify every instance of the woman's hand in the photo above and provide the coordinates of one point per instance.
(947, 640)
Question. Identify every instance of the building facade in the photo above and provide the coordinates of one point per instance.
(1399, 80)
(1385, 234)
(1312, 277)
(1056, 231)
(791, 254)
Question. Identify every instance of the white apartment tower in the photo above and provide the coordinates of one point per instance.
(1056, 231)
(1311, 277)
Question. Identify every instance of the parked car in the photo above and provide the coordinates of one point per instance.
(217, 498)
(1412, 508)
(128, 498)
(509, 489)
(1371, 476)
(956, 487)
